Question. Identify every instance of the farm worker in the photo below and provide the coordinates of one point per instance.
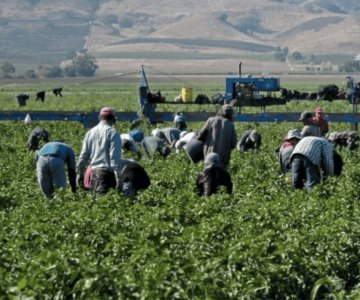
(169, 134)
(180, 122)
(50, 167)
(212, 177)
(250, 139)
(343, 139)
(320, 121)
(35, 138)
(151, 145)
(128, 144)
(101, 150)
(133, 178)
(218, 135)
(310, 156)
(310, 128)
(185, 138)
(284, 152)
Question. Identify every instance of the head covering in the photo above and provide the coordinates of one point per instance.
(254, 136)
(156, 132)
(318, 110)
(293, 134)
(107, 111)
(212, 159)
(305, 115)
(226, 111)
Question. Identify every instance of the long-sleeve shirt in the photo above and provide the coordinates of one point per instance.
(184, 140)
(171, 134)
(34, 138)
(59, 150)
(318, 150)
(151, 144)
(310, 130)
(210, 179)
(219, 136)
(284, 154)
(250, 139)
(101, 149)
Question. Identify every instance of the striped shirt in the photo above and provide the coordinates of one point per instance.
(318, 150)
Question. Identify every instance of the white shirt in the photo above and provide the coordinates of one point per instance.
(183, 141)
(101, 149)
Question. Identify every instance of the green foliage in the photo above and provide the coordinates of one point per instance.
(7, 69)
(350, 66)
(84, 65)
(297, 56)
(265, 241)
(69, 71)
(280, 56)
(50, 72)
(30, 74)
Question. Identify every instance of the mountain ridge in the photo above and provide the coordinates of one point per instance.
(53, 32)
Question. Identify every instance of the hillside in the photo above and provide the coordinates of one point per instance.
(40, 32)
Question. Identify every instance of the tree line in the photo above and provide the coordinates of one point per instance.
(80, 65)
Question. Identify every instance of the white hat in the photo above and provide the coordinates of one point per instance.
(293, 134)
(155, 132)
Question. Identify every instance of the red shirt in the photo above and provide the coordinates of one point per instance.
(322, 123)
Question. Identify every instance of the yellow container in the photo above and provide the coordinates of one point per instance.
(186, 94)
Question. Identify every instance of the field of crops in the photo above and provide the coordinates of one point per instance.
(265, 241)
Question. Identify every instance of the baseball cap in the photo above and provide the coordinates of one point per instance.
(107, 111)
(318, 109)
(305, 115)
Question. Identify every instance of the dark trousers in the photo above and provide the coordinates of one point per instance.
(102, 181)
(304, 172)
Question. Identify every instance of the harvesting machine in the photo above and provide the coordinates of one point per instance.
(252, 91)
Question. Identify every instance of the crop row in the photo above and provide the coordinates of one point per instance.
(265, 241)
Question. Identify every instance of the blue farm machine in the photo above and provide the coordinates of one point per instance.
(252, 91)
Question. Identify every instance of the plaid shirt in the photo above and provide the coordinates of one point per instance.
(318, 150)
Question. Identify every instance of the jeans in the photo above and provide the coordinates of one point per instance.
(127, 188)
(304, 172)
(51, 174)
